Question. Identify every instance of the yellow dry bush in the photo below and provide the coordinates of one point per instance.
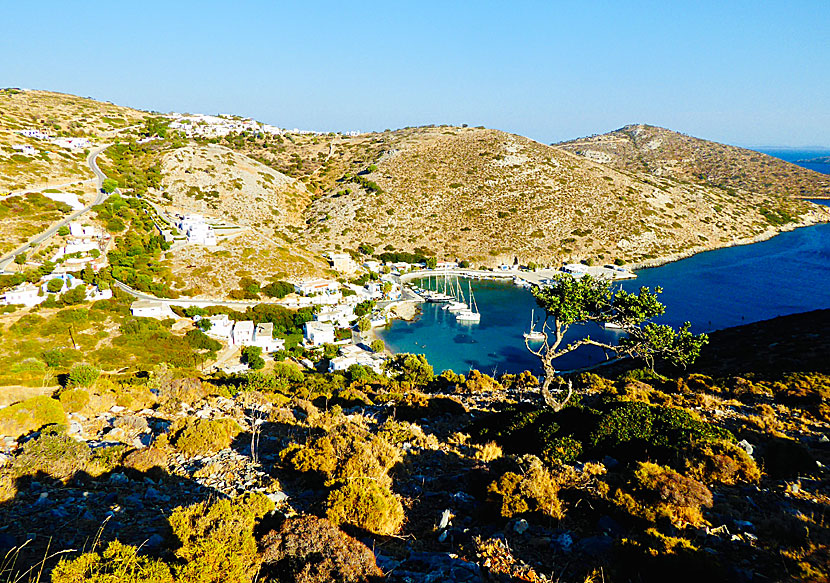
(533, 491)
(346, 452)
(659, 492)
(366, 504)
(119, 563)
(488, 452)
(218, 544)
(723, 462)
(30, 415)
(204, 436)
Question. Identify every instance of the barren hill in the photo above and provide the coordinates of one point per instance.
(659, 152)
(490, 196)
(218, 181)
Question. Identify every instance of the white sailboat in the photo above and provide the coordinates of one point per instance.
(471, 314)
(458, 303)
(533, 334)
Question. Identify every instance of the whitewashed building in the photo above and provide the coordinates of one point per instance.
(221, 327)
(151, 309)
(316, 286)
(319, 333)
(197, 231)
(243, 333)
(341, 315)
(264, 338)
(26, 294)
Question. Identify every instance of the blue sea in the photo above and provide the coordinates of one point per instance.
(785, 275)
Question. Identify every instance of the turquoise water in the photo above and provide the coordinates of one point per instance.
(787, 274)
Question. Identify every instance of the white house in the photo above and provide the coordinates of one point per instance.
(316, 286)
(197, 231)
(36, 134)
(220, 327)
(372, 265)
(243, 333)
(95, 293)
(73, 143)
(151, 309)
(319, 333)
(446, 265)
(351, 355)
(26, 150)
(264, 338)
(340, 315)
(25, 294)
(76, 229)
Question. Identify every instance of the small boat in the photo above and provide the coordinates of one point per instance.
(611, 326)
(533, 334)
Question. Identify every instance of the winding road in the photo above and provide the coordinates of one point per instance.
(41, 237)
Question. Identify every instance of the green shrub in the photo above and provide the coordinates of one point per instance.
(205, 436)
(561, 450)
(30, 415)
(53, 453)
(217, 546)
(83, 375)
(119, 563)
(366, 504)
(633, 427)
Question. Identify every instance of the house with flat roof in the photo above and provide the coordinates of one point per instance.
(243, 333)
(151, 309)
(316, 286)
(264, 338)
(25, 294)
(319, 333)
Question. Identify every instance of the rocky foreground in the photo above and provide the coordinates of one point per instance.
(308, 477)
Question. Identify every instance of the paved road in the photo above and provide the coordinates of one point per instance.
(40, 238)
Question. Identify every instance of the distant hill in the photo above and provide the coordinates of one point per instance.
(662, 153)
(819, 160)
(491, 196)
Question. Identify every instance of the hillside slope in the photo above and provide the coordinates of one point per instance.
(656, 151)
(490, 196)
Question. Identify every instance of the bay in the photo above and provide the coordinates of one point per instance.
(787, 274)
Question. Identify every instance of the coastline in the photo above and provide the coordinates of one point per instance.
(815, 217)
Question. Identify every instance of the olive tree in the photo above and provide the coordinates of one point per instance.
(569, 300)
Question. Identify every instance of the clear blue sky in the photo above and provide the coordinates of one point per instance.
(749, 73)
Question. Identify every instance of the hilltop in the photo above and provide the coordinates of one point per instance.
(662, 153)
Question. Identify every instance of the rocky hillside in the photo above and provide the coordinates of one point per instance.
(661, 153)
(59, 115)
(215, 180)
(490, 196)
